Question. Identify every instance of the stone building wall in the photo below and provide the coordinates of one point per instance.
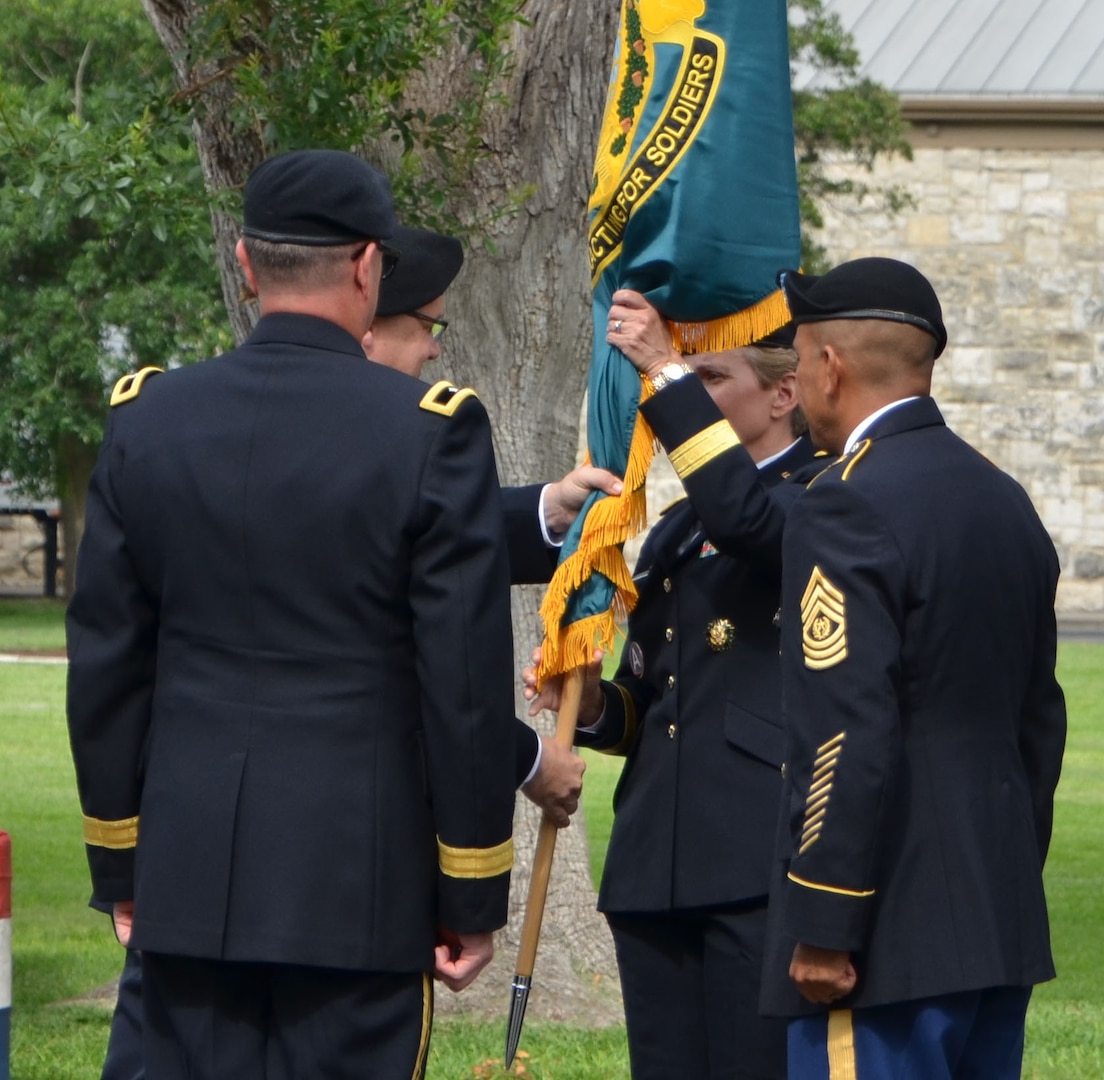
(1014, 243)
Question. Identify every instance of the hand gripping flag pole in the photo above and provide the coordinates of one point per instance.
(538, 883)
(693, 204)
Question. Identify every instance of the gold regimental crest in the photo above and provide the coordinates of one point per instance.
(631, 165)
(442, 397)
(720, 634)
(823, 623)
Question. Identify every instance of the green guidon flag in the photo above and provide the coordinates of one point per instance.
(694, 204)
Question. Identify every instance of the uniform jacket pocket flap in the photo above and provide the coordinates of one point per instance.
(754, 735)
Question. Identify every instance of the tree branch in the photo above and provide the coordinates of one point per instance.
(78, 90)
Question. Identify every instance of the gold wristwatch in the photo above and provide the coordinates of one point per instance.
(668, 374)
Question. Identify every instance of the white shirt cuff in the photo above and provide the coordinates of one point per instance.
(536, 761)
(596, 727)
(548, 540)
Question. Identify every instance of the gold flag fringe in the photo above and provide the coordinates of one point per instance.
(733, 331)
(609, 523)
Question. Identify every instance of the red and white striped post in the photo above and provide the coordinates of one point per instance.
(5, 956)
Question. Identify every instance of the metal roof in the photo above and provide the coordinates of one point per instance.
(976, 48)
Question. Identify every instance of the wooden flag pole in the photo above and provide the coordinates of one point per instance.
(542, 870)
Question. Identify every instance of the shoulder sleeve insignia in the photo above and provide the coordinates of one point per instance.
(129, 386)
(823, 623)
(444, 398)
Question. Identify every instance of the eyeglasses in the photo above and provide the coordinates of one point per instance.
(436, 326)
(390, 257)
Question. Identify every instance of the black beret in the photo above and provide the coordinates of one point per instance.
(871, 288)
(428, 262)
(320, 198)
(782, 338)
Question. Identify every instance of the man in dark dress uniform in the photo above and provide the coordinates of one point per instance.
(405, 335)
(925, 726)
(290, 669)
(695, 707)
(407, 332)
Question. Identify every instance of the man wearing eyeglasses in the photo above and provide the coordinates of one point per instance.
(406, 335)
(290, 685)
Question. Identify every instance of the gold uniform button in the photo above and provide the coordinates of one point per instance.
(672, 730)
(670, 682)
(669, 633)
(666, 584)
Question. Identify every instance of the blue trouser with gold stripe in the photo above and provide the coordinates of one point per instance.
(977, 1035)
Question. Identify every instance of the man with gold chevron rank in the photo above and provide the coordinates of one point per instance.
(925, 725)
(695, 709)
(290, 697)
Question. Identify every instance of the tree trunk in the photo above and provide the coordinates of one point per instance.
(520, 334)
(227, 152)
(75, 462)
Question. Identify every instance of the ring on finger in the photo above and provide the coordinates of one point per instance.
(617, 327)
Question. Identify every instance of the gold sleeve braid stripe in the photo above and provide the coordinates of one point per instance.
(860, 893)
(489, 862)
(116, 835)
(702, 448)
(129, 386)
(823, 623)
(622, 747)
(816, 803)
(442, 397)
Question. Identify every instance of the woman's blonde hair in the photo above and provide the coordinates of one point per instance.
(770, 366)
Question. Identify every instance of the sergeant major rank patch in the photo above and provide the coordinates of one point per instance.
(823, 623)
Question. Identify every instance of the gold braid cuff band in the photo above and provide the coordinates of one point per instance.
(702, 448)
(117, 835)
(475, 862)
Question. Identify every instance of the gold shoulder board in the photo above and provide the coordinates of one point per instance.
(129, 386)
(444, 398)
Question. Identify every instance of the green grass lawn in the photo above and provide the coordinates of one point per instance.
(62, 950)
(32, 624)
